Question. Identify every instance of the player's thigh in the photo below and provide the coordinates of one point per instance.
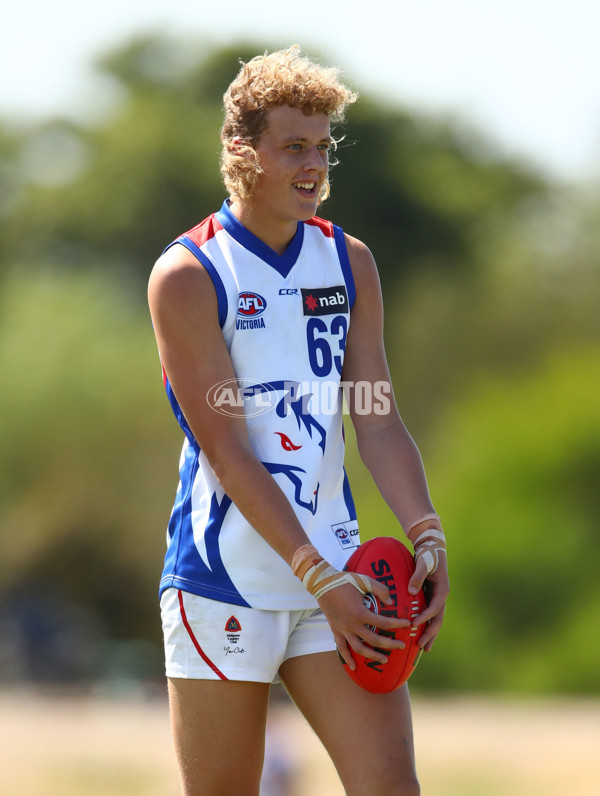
(219, 730)
(369, 737)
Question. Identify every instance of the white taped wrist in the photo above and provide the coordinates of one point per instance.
(318, 577)
(428, 545)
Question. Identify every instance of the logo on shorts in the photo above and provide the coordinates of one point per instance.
(233, 629)
(233, 625)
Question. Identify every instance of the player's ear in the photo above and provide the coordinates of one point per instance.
(242, 147)
(325, 191)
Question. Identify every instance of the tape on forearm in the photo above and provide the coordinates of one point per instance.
(318, 577)
(428, 546)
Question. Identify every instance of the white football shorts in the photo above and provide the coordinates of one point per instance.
(209, 640)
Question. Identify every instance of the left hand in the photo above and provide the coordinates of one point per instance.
(437, 588)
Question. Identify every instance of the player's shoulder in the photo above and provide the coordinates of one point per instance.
(178, 276)
(358, 251)
(362, 263)
(175, 264)
(182, 253)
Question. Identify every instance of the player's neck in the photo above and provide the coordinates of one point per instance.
(277, 232)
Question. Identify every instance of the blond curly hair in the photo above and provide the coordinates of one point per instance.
(285, 77)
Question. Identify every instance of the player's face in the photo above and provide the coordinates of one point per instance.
(293, 154)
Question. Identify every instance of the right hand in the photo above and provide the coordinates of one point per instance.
(350, 622)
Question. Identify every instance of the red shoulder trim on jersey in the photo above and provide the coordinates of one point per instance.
(204, 231)
(326, 227)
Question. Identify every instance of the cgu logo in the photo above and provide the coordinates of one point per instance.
(251, 305)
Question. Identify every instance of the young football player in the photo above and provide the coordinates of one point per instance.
(264, 314)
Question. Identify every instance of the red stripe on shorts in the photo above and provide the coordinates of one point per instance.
(201, 652)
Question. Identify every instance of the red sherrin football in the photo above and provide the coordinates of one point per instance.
(390, 562)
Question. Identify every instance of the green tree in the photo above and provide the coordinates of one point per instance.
(516, 473)
(87, 449)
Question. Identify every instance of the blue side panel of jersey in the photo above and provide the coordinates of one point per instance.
(348, 499)
(340, 243)
(183, 499)
(184, 566)
(177, 411)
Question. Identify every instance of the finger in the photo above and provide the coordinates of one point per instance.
(429, 644)
(382, 640)
(418, 578)
(433, 609)
(430, 633)
(344, 654)
(387, 622)
(438, 594)
(381, 591)
(373, 654)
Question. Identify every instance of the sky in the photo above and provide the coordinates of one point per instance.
(524, 72)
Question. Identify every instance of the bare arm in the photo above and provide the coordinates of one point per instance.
(184, 312)
(385, 445)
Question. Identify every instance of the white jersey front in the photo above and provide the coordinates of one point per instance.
(285, 321)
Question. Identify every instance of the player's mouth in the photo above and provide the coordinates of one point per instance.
(307, 188)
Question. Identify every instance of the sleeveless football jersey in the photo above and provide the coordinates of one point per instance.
(285, 320)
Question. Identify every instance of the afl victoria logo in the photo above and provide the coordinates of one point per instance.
(251, 305)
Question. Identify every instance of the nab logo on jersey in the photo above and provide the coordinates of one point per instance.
(324, 300)
(251, 305)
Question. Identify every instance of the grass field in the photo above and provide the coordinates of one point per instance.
(63, 745)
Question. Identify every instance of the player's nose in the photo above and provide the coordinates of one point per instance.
(315, 158)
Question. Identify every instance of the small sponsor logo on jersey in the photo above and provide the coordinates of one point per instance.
(324, 300)
(251, 305)
(346, 533)
(288, 291)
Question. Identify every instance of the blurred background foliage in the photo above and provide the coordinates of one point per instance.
(491, 286)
